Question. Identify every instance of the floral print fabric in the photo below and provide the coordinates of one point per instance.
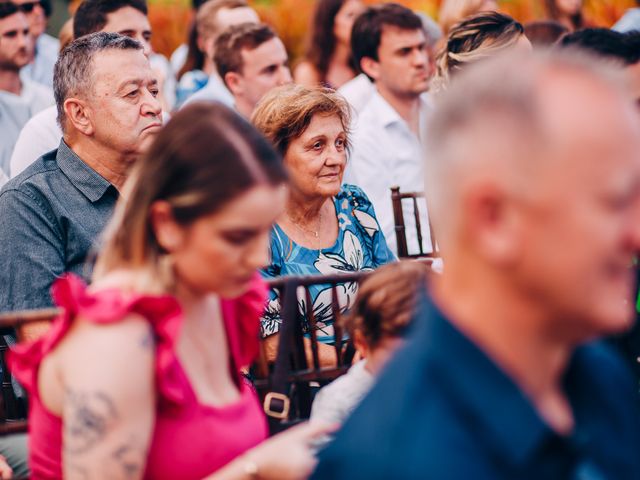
(360, 246)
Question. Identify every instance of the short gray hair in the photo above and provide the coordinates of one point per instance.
(499, 101)
(73, 73)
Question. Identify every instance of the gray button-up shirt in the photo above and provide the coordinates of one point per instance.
(51, 216)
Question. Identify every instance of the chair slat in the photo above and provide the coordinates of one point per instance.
(303, 378)
(401, 229)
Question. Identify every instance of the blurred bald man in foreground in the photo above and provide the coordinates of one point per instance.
(534, 183)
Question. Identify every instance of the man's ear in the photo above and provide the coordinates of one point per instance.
(493, 224)
(371, 67)
(234, 83)
(79, 115)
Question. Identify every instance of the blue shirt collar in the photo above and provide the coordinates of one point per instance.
(479, 386)
(82, 176)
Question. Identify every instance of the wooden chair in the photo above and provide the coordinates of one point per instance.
(400, 228)
(26, 325)
(286, 386)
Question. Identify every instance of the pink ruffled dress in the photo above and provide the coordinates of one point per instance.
(190, 440)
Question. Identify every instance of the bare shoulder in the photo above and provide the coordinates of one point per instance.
(306, 74)
(108, 356)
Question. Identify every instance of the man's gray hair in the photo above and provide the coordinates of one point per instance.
(497, 101)
(73, 73)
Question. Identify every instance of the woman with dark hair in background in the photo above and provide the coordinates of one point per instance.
(140, 374)
(328, 60)
(567, 12)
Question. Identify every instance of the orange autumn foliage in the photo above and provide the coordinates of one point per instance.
(171, 18)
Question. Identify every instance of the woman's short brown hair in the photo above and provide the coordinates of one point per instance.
(285, 112)
(387, 301)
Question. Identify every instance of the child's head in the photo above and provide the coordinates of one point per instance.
(385, 306)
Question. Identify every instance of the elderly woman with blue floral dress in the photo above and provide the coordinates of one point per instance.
(327, 227)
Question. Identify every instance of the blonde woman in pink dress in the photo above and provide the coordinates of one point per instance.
(140, 376)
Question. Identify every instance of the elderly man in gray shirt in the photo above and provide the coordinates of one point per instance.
(51, 215)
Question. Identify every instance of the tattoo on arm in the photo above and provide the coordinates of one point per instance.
(129, 457)
(148, 340)
(90, 417)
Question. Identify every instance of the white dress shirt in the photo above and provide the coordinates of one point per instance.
(358, 91)
(39, 135)
(386, 153)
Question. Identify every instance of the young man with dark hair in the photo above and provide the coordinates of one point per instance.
(622, 48)
(20, 99)
(46, 47)
(604, 43)
(131, 21)
(126, 17)
(213, 18)
(251, 60)
(390, 47)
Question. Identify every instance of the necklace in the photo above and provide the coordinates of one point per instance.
(315, 233)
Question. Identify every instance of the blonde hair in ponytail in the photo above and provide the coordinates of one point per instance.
(480, 36)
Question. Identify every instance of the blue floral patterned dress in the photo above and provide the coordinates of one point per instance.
(360, 246)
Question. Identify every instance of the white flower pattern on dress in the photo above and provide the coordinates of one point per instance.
(360, 246)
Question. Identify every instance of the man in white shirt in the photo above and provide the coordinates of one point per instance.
(42, 133)
(251, 60)
(19, 99)
(360, 89)
(389, 46)
(46, 46)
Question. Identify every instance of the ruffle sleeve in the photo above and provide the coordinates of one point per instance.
(70, 294)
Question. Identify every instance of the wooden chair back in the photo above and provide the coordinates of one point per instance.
(26, 326)
(400, 226)
(286, 386)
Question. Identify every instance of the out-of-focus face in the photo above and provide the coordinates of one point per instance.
(35, 14)
(16, 42)
(131, 23)
(581, 223)
(123, 107)
(263, 69)
(569, 7)
(344, 19)
(226, 17)
(220, 253)
(402, 68)
(317, 158)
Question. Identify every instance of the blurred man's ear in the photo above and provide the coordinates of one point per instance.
(234, 83)
(492, 224)
(371, 67)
